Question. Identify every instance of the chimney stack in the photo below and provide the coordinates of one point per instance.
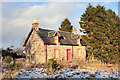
(35, 24)
(74, 30)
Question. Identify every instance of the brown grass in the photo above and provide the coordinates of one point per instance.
(113, 67)
(82, 65)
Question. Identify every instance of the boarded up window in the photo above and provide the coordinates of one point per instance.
(56, 39)
(56, 53)
(83, 52)
(78, 41)
(79, 52)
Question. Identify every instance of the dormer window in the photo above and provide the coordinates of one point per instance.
(56, 39)
(78, 41)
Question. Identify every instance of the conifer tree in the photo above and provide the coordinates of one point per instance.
(101, 29)
(66, 26)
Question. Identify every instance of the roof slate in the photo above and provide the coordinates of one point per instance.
(66, 38)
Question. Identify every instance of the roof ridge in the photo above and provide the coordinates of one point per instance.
(65, 31)
(57, 30)
(47, 29)
(68, 32)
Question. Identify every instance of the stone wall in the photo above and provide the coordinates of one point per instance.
(76, 53)
(36, 49)
(63, 52)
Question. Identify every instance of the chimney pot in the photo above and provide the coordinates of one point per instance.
(35, 20)
(35, 24)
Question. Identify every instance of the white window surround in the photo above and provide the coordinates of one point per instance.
(78, 41)
(56, 39)
(79, 52)
(56, 54)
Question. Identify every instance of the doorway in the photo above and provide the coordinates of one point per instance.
(68, 54)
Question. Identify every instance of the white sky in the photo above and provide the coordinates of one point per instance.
(18, 17)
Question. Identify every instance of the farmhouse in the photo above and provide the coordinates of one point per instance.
(43, 44)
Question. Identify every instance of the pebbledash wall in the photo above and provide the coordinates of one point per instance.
(38, 52)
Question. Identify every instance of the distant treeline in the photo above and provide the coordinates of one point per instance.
(11, 52)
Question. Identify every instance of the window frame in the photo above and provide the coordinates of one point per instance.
(78, 41)
(56, 39)
(55, 53)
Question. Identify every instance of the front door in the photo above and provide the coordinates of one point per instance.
(68, 54)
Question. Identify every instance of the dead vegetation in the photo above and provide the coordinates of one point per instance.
(76, 64)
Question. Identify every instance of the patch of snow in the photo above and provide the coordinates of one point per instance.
(65, 73)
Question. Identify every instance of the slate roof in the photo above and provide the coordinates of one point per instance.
(65, 38)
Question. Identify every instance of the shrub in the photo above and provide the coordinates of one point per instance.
(8, 59)
(17, 65)
(14, 66)
(52, 64)
(9, 66)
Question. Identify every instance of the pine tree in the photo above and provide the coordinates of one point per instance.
(101, 28)
(66, 26)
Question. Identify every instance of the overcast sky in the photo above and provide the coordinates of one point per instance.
(17, 17)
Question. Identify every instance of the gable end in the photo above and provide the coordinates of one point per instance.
(24, 45)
